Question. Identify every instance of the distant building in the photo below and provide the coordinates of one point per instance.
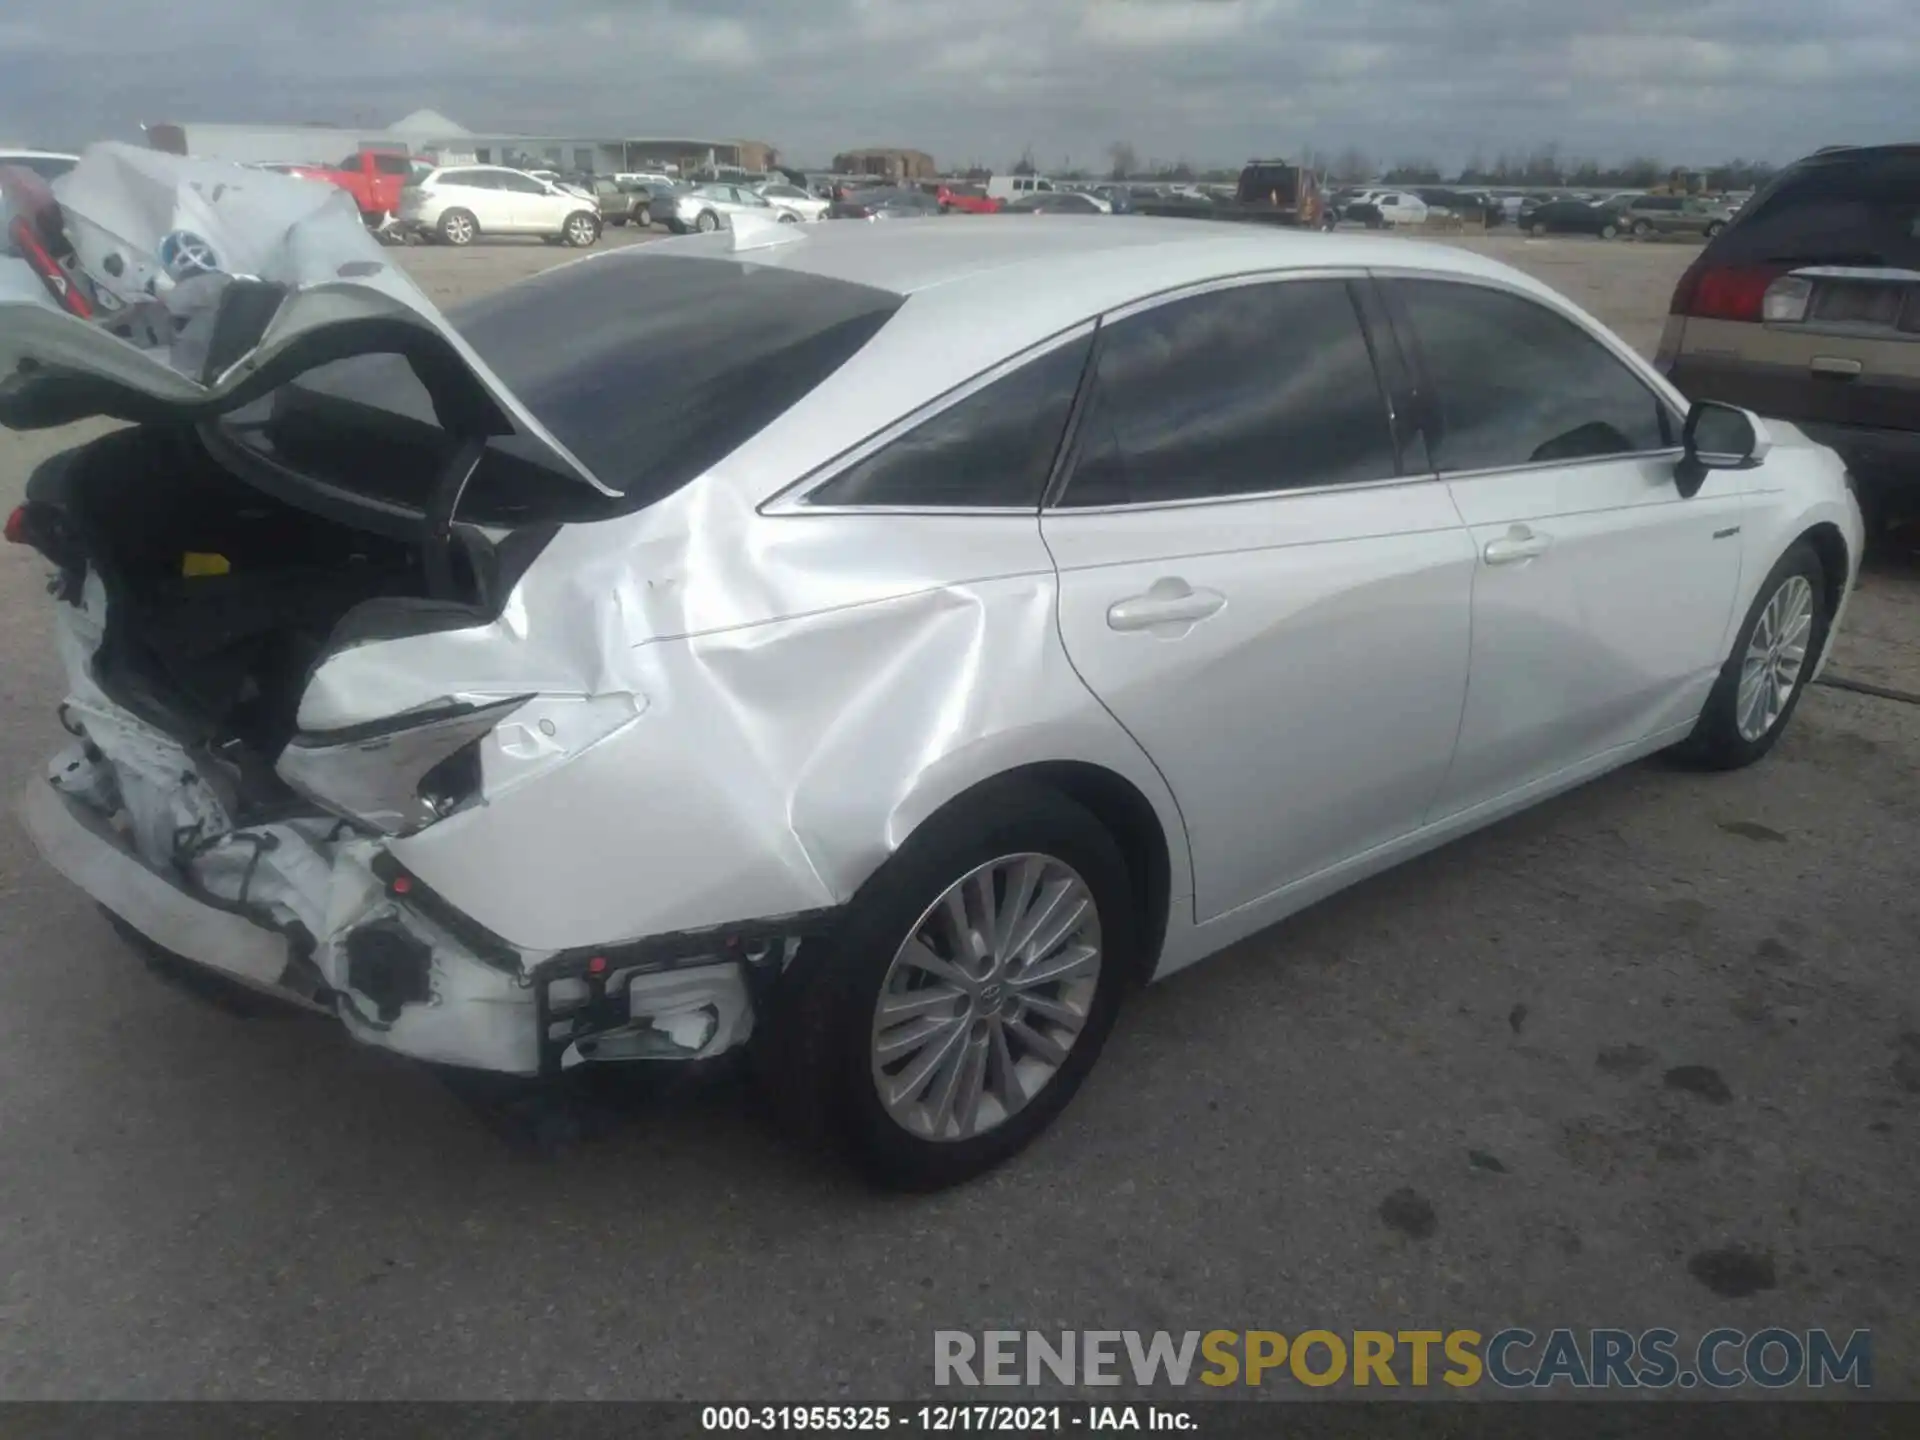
(431, 134)
(893, 164)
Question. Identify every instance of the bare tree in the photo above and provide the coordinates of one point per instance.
(1352, 165)
(1413, 172)
(1124, 161)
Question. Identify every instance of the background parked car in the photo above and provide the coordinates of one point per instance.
(1808, 310)
(784, 195)
(1572, 217)
(712, 207)
(623, 202)
(458, 204)
(1677, 215)
(885, 204)
(1399, 207)
(963, 196)
(1059, 202)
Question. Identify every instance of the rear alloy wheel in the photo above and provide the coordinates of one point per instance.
(643, 217)
(707, 223)
(458, 227)
(1536, 230)
(1642, 229)
(789, 218)
(581, 230)
(1607, 232)
(1774, 657)
(966, 993)
(1714, 229)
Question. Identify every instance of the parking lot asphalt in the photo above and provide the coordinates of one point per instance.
(200, 1206)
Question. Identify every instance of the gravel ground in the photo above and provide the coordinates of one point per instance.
(200, 1206)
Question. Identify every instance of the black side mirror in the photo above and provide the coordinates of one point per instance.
(1718, 437)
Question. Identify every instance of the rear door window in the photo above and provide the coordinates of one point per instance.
(1517, 384)
(1241, 391)
(993, 449)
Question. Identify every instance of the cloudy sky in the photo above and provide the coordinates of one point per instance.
(1209, 81)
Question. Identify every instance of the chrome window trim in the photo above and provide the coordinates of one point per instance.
(1249, 498)
(792, 500)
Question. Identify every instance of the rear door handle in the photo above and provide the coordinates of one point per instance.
(1834, 367)
(1169, 602)
(1519, 543)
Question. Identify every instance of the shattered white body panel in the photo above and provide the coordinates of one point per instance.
(721, 716)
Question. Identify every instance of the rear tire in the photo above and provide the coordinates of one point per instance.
(1714, 229)
(822, 1057)
(1607, 232)
(1537, 230)
(1642, 229)
(1739, 724)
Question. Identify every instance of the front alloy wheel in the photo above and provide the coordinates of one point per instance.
(582, 231)
(1776, 654)
(986, 997)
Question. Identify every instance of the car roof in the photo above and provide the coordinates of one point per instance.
(1089, 264)
(980, 291)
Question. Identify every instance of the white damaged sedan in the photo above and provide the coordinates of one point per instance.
(884, 646)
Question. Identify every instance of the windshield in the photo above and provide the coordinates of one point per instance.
(649, 368)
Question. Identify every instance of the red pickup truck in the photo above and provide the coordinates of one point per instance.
(967, 199)
(374, 178)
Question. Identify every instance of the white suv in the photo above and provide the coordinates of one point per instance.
(460, 203)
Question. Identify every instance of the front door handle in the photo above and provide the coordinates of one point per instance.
(1169, 602)
(1519, 543)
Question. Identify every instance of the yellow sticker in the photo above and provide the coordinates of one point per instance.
(194, 564)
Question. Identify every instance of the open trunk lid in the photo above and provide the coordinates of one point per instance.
(147, 287)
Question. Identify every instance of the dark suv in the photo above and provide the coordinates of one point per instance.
(1807, 308)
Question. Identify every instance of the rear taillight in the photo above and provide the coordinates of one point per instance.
(1725, 292)
(17, 526)
(1786, 300)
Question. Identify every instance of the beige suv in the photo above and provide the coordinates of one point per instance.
(1806, 308)
(1676, 215)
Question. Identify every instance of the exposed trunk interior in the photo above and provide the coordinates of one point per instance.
(220, 597)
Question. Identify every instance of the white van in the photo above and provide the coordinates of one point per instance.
(1012, 187)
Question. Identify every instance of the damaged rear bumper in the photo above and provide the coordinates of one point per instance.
(405, 971)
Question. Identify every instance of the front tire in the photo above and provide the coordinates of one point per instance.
(1642, 229)
(1773, 658)
(966, 993)
(580, 230)
(1607, 232)
(458, 227)
(707, 223)
(1714, 229)
(1536, 230)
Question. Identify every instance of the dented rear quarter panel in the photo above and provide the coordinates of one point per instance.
(801, 693)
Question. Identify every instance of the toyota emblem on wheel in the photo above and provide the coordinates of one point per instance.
(185, 254)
